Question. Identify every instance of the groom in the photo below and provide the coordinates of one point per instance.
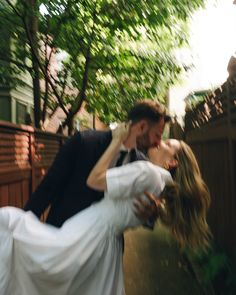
(64, 186)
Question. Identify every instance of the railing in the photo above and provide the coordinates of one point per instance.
(211, 132)
(25, 156)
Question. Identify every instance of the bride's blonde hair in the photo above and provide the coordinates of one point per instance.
(185, 202)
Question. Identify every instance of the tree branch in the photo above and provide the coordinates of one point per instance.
(82, 94)
(14, 8)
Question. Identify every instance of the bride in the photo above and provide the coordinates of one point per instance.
(84, 256)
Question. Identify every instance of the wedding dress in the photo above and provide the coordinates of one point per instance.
(84, 256)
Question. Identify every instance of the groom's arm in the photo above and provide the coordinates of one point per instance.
(56, 178)
(146, 210)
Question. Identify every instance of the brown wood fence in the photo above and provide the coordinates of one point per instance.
(211, 132)
(25, 156)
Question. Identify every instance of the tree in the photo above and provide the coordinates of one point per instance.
(117, 51)
(20, 23)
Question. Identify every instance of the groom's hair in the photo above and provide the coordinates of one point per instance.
(149, 110)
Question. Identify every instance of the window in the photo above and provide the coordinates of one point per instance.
(32, 114)
(5, 108)
(21, 110)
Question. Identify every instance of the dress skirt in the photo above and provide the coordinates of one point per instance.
(83, 257)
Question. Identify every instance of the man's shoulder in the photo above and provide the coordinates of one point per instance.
(86, 136)
(91, 138)
(94, 134)
(90, 133)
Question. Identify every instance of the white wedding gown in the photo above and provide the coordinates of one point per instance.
(84, 256)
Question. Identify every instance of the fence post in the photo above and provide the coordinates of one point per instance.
(230, 141)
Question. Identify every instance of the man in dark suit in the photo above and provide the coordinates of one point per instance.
(64, 186)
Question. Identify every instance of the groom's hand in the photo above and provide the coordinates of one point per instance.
(146, 209)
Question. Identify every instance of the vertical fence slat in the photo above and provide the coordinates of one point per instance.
(25, 156)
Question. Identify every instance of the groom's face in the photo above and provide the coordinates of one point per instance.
(151, 137)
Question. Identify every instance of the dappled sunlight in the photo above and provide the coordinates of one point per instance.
(14, 151)
(14, 167)
(43, 171)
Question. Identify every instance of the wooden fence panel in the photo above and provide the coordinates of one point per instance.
(211, 132)
(214, 161)
(25, 156)
(14, 165)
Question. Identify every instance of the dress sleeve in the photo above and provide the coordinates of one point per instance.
(131, 180)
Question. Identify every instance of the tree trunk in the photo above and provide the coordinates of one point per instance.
(33, 30)
(36, 92)
(69, 122)
(45, 101)
(71, 126)
(94, 120)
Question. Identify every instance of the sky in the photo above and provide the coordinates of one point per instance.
(213, 42)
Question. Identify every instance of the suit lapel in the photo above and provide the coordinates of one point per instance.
(136, 155)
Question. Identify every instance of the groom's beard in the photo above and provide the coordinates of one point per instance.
(143, 142)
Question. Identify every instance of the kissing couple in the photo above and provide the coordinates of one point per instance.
(94, 197)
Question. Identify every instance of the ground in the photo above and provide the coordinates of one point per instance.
(154, 265)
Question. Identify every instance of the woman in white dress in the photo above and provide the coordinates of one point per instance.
(84, 256)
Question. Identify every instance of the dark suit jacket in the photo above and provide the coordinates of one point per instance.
(64, 186)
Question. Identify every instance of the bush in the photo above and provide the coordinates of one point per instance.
(214, 268)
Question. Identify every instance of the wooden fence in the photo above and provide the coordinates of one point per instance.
(211, 132)
(25, 156)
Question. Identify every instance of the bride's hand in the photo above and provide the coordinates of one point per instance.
(121, 132)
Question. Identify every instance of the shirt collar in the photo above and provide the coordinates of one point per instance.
(123, 148)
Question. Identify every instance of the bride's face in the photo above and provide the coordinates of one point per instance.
(164, 155)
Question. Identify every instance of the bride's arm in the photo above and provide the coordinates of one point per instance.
(97, 177)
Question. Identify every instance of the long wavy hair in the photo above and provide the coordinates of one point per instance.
(184, 203)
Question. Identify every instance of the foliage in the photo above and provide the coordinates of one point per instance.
(196, 98)
(13, 52)
(216, 269)
(115, 51)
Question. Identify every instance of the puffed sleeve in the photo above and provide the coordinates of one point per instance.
(131, 180)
